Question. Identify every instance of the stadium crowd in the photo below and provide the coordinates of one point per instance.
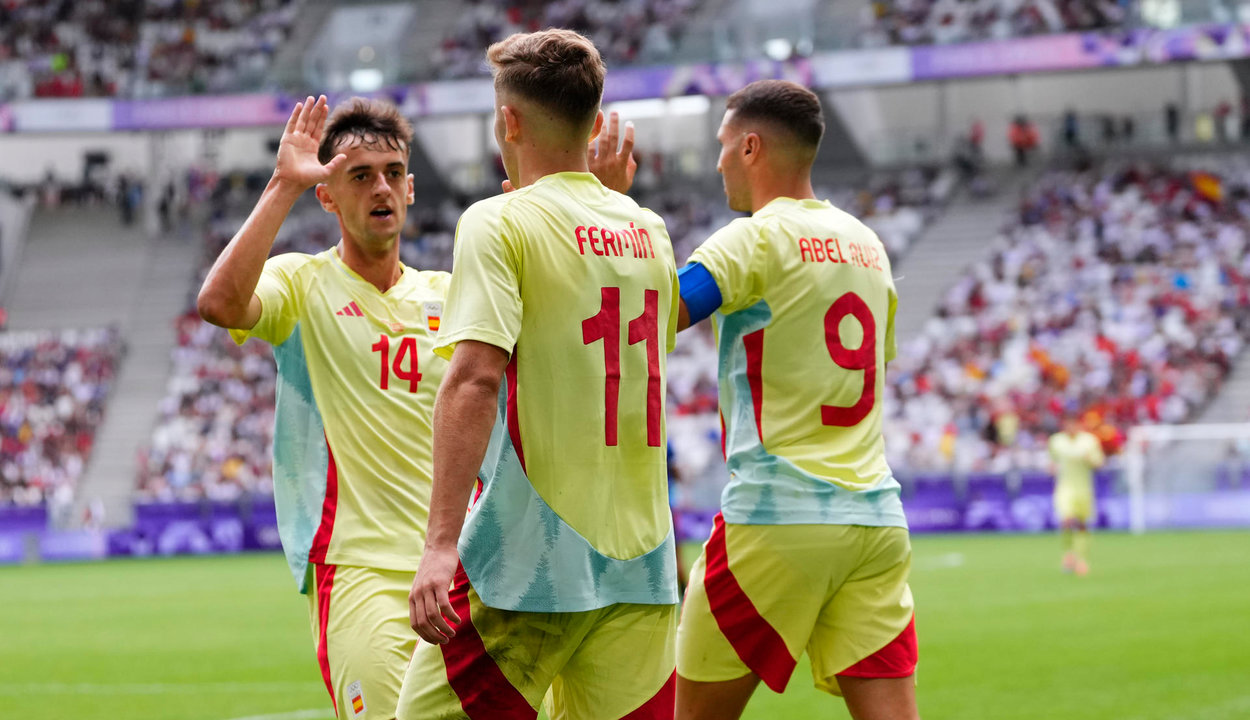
(926, 22)
(137, 48)
(53, 388)
(1120, 294)
(625, 31)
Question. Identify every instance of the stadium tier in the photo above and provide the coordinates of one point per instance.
(54, 386)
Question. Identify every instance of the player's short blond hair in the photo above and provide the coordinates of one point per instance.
(558, 69)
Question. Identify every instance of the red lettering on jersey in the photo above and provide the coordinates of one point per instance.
(805, 249)
(610, 245)
(818, 252)
(644, 236)
(838, 245)
(591, 232)
(830, 248)
(580, 235)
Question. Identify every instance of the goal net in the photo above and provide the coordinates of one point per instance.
(1188, 476)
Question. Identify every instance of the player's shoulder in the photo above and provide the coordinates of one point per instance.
(296, 264)
(434, 281)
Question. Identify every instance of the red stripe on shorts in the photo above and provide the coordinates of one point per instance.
(329, 506)
(324, 577)
(661, 706)
(757, 643)
(514, 422)
(754, 343)
(484, 692)
(896, 660)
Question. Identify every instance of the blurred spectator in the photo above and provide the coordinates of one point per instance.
(53, 388)
(1023, 137)
(1172, 120)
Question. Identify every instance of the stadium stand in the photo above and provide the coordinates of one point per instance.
(923, 22)
(625, 32)
(1120, 292)
(138, 48)
(53, 388)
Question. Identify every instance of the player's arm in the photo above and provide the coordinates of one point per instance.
(464, 414)
(228, 297)
(700, 295)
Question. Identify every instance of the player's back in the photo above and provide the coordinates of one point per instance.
(805, 331)
(582, 447)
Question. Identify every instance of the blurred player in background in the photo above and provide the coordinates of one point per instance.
(811, 549)
(1076, 454)
(566, 292)
(353, 332)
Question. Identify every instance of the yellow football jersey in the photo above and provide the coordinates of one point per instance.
(578, 283)
(357, 377)
(1076, 458)
(805, 328)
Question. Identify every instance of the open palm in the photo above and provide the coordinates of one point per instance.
(297, 152)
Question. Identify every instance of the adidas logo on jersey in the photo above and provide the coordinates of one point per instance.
(350, 310)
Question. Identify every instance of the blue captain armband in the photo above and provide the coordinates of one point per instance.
(699, 291)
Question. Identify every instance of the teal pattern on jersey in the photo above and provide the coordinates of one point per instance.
(765, 489)
(300, 457)
(519, 555)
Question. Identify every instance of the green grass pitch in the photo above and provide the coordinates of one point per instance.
(1160, 630)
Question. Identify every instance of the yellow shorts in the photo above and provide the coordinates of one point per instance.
(615, 662)
(1074, 505)
(761, 594)
(360, 625)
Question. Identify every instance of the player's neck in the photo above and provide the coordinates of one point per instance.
(381, 270)
(536, 163)
(778, 185)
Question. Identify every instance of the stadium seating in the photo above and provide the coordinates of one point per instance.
(923, 22)
(1121, 293)
(140, 48)
(625, 32)
(53, 389)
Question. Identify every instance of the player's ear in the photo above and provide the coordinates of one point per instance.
(511, 123)
(751, 145)
(598, 128)
(323, 197)
(412, 193)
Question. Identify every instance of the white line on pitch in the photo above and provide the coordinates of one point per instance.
(949, 560)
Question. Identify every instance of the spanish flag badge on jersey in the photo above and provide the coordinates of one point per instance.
(433, 312)
(356, 697)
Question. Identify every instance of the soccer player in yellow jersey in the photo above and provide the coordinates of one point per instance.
(1076, 454)
(811, 550)
(353, 334)
(562, 307)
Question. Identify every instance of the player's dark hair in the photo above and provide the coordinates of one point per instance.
(372, 123)
(558, 69)
(783, 104)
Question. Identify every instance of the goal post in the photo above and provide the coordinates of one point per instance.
(1190, 475)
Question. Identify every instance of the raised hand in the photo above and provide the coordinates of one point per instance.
(298, 165)
(614, 167)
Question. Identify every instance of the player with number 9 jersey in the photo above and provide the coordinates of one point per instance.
(811, 550)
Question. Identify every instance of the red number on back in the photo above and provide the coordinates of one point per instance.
(862, 358)
(606, 326)
(646, 327)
